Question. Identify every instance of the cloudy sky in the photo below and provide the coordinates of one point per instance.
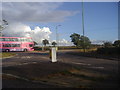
(39, 20)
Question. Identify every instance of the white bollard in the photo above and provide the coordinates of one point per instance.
(54, 54)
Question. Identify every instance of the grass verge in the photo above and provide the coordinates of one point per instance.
(6, 54)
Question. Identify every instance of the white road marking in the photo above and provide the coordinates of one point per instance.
(25, 57)
(26, 63)
(34, 62)
(44, 57)
(98, 67)
(19, 64)
(85, 64)
(81, 63)
(15, 76)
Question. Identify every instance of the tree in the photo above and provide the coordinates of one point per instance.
(80, 41)
(45, 42)
(107, 44)
(117, 43)
(54, 43)
(35, 43)
(85, 42)
(3, 25)
(75, 38)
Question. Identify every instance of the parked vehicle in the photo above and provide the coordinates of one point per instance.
(16, 44)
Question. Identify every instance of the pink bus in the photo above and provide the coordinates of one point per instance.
(16, 44)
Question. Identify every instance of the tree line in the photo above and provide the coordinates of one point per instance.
(45, 42)
(82, 41)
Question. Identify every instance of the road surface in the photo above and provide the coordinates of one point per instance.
(102, 66)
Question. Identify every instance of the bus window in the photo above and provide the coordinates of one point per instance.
(14, 39)
(0, 39)
(7, 39)
(15, 45)
(19, 40)
(30, 45)
(30, 40)
(6, 45)
(3, 39)
(22, 39)
(27, 40)
(10, 39)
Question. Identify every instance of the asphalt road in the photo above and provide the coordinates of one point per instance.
(24, 58)
(103, 66)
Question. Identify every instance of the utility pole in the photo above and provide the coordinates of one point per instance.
(83, 26)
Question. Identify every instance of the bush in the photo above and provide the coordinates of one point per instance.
(117, 43)
(107, 44)
(110, 50)
(40, 48)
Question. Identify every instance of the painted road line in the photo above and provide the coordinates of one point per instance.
(16, 76)
(81, 63)
(27, 63)
(98, 67)
(25, 57)
(34, 62)
(86, 65)
(75, 62)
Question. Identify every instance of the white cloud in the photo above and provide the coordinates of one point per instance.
(65, 42)
(39, 34)
(34, 12)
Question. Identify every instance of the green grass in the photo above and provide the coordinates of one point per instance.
(6, 54)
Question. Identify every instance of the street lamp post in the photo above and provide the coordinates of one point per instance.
(57, 39)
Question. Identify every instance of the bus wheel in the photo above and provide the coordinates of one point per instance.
(25, 50)
(7, 50)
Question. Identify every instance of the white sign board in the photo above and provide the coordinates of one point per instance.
(54, 55)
